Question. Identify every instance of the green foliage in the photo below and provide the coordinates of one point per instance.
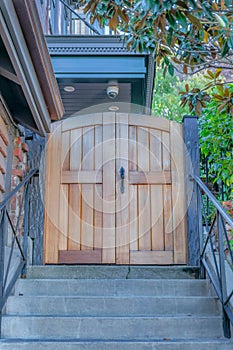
(216, 142)
(215, 122)
(166, 98)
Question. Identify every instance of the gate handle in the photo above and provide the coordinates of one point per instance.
(122, 174)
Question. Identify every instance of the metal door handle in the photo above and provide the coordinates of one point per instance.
(122, 174)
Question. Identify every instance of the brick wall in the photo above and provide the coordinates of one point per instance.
(4, 141)
(19, 170)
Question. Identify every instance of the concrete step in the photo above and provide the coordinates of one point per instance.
(112, 272)
(112, 287)
(112, 306)
(189, 344)
(112, 328)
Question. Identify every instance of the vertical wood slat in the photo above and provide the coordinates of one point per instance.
(166, 151)
(87, 190)
(64, 191)
(178, 193)
(144, 191)
(155, 150)
(133, 189)
(98, 202)
(122, 199)
(74, 236)
(157, 224)
(52, 194)
(109, 172)
(167, 205)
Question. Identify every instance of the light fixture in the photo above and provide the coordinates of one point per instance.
(113, 108)
(69, 88)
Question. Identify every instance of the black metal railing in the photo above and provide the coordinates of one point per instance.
(216, 250)
(18, 229)
(67, 18)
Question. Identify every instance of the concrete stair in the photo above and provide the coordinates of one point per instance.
(112, 308)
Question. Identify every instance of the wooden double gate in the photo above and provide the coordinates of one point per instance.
(115, 191)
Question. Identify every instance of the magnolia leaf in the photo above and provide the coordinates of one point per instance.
(194, 20)
(171, 69)
(113, 23)
(211, 74)
(221, 22)
(206, 37)
(218, 72)
(185, 70)
(198, 108)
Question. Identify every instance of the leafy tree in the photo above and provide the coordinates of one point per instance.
(188, 36)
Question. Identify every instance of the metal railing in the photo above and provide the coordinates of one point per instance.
(216, 250)
(67, 18)
(19, 231)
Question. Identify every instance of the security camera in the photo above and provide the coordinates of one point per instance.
(112, 91)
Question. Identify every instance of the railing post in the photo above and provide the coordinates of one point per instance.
(25, 234)
(223, 283)
(192, 167)
(2, 261)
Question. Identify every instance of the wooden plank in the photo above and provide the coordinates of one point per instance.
(98, 217)
(133, 200)
(64, 193)
(122, 199)
(74, 230)
(149, 122)
(52, 194)
(133, 215)
(87, 238)
(2, 164)
(152, 177)
(143, 149)
(133, 162)
(82, 121)
(80, 257)
(4, 131)
(143, 191)
(88, 161)
(167, 205)
(98, 190)
(166, 151)
(81, 177)
(157, 225)
(178, 194)
(144, 217)
(151, 258)
(3, 147)
(74, 234)
(108, 255)
(155, 150)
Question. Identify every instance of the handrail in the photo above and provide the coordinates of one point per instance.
(216, 237)
(218, 206)
(17, 188)
(6, 224)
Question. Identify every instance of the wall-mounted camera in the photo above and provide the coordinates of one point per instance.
(112, 90)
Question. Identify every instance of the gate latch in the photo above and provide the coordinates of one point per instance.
(122, 174)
